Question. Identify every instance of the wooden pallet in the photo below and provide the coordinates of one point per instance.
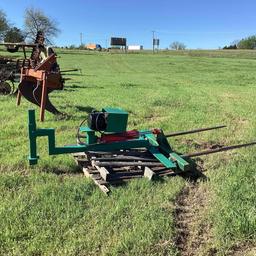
(113, 168)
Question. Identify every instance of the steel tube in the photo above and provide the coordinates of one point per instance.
(69, 70)
(216, 150)
(194, 131)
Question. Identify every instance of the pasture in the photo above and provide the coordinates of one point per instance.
(52, 209)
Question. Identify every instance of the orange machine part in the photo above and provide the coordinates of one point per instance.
(43, 76)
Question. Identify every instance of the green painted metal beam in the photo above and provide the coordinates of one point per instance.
(183, 165)
(159, 147)
(162, 158)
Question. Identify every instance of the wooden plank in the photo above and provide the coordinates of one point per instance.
(93, 163)
(125, 171)
(130, 153)
(125, 176)
(78, 154)
(99, 182)
(89, 172)
(104, 173)
(117, 169)
(148, 173)
(103, 182)
(125, 158)
(86, 172)
(169, 173)
(119, 164)
(96, 176)
(82, 160)
(103, 188)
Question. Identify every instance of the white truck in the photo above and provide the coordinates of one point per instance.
(135, 47)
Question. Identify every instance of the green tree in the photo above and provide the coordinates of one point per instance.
(35, 20)
(4, 26)
(14, 35)
(177, 46)
(247, 43)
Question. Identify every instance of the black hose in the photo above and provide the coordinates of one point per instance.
(79, 135)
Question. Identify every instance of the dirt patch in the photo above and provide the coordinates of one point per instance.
(242, 250)
(202, 145)
(193, 231)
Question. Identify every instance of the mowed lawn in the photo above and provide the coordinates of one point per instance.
(51, 209)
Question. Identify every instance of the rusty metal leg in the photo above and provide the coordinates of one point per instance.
(19, 93)
(43, 98)
(18, 98)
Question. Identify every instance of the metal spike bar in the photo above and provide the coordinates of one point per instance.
(216, 150)
(194, 131)
(69, 70)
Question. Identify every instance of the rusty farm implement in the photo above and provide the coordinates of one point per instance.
(8, 75)
(39, 75)
(110, 154)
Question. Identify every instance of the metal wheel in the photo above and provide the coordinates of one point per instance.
(5, 88)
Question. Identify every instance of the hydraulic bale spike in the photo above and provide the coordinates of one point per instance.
(107, 132)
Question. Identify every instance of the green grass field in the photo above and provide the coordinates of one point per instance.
(51, 209)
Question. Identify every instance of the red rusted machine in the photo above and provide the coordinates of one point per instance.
(39, 75)
(36, 84)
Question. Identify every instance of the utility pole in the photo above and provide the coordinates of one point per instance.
(153, 40)
(81, 39)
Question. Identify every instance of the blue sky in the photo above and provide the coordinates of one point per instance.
(198, 24)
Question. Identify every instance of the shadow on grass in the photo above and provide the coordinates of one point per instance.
(73, 74)
(128, 85)
(62, 116)
(76, 86)
(57, 171)
(87, 109)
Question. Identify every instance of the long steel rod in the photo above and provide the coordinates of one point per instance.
(69, 70)
(172, 134)
(216, 150)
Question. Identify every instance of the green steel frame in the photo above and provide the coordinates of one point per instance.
(157, 145)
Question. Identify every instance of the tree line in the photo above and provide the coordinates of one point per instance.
(245, 43)
(34, 20)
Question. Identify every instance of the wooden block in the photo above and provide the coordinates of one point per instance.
(148, 173)
(78, 154)
(82, 160)
(96, 176)
(104, 173)
(93, 163)
(102, 182)
(86, 172)
(103, 188)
